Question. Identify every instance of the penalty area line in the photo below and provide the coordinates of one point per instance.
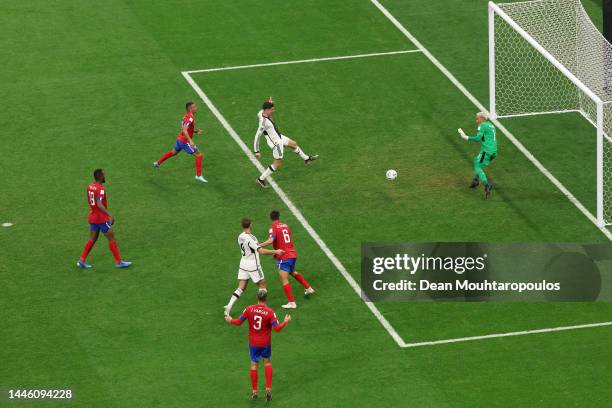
(510, 334)
(294, 210)
(303, 61)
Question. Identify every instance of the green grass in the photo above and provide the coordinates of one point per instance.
(98, 84)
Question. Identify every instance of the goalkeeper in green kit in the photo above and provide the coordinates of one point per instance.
(488, 150)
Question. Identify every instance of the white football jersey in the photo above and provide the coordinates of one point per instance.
(268, 128)
(248, 245)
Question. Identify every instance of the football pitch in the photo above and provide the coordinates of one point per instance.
(367, 85)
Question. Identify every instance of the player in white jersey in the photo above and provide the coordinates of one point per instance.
(276, 141)
(250, 267)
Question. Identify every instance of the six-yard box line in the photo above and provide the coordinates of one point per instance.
(315, 236)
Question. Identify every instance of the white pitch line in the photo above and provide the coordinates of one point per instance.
(518, 333)
(304, 61)
(481, 107)
(294, 210)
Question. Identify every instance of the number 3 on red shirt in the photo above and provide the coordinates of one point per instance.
(257, 324)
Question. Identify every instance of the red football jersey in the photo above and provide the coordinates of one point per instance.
(282, 239)
(189, 121)
(261, 320)
(95, 193)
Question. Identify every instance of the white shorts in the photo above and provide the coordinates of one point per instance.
(256, 274)
(278, 148)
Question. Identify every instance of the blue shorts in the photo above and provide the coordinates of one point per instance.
(104, 227)
(178, 146)
(257, 353)
(287, 265)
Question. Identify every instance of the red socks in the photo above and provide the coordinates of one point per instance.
(115, 250)
(298, 277)
(111, 244)
(198, 162)
(287, 289)
(254, 379)
(165, 157)
(86, 250)
(198, 166)
(268, 368)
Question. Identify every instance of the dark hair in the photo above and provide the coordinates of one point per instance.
(246, 222)
(274, 215)
(267, 105)
(262, 295)
(188, 104)
(98, 173)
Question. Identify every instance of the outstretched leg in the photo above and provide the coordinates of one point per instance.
(297, 150)
(165, 157)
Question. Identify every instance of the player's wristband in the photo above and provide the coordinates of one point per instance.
(256, 152)
(280, 326)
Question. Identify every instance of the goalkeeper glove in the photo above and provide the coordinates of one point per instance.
(462, 134)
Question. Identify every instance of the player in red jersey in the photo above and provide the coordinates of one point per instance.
(184, 141)
(100, 219)
(261, 320)
(281, 238)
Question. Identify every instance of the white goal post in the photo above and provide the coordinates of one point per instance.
(547, 57)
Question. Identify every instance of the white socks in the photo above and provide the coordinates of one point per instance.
(300, 153)
(235, 296)
(271, 169)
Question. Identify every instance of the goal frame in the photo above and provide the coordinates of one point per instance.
(495, 10)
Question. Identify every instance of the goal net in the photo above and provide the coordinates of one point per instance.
(545, 57)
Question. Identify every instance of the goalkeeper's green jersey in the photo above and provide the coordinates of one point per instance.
(486, 135)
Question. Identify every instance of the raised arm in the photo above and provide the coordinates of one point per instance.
(476, 138)
(279, 326)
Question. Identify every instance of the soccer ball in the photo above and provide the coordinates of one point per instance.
(391, 174)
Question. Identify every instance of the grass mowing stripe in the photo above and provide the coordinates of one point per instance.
(295, 211)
